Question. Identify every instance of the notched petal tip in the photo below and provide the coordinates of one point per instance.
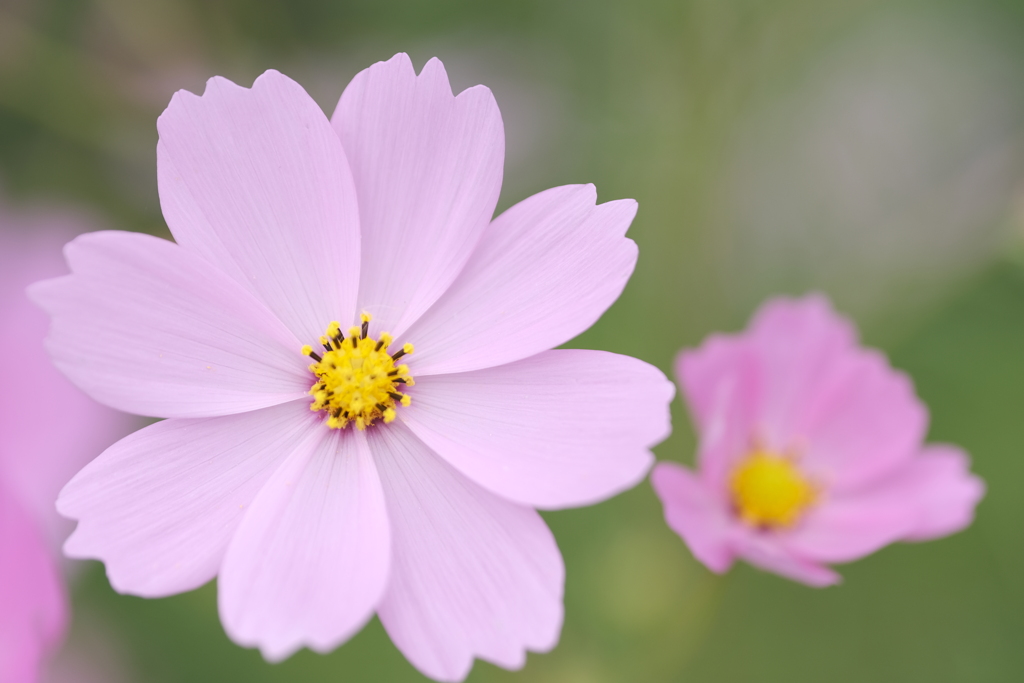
(43, 292)
(434, 70)
(616, 213)
(218, 87)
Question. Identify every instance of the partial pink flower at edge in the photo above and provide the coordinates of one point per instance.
(285, 224)
(34, 613)
(48, 430)
(810, 450)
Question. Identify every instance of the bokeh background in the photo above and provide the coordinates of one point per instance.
(871, 150)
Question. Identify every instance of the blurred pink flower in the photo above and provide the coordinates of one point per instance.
(810, 450)
(48, 430)
(412, 501)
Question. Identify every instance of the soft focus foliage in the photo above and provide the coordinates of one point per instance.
(868, 149)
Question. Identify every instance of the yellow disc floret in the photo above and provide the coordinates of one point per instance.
(769, 490)
(358, 381)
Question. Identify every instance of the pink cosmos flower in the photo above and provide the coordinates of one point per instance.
(48, 430)
(810, 450)
(406, 485)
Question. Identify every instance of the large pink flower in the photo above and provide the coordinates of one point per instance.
(48, 430)
(810, 451)
(406, 485)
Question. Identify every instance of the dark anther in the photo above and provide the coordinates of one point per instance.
(379, 344)
(328, 347)
(398, 354)
(399, 380)
(366, 329)
(315, 357)
(392, 373)
(381, 407)
(355, 343)
(397, 397)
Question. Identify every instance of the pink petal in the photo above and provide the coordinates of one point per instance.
(310, 560)
(33, 612)
(160, 506)
(800, 343)
(148, 327)
(696, 513)
(704, 372)
(844, 407)
(256, 181)
(764, 551)
(849, 526)
(864, 422)
(562, 428)
(544, 272)
(722, 385)
(933, 495)
(472, 575)
(947, 492)
(427, 168)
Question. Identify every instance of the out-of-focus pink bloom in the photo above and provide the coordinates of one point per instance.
(416, 502)
(811, 450)
(48, 430)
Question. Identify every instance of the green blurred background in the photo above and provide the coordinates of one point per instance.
(871, 150)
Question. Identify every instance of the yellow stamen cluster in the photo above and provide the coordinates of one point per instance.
(358, 381)
(769, 491)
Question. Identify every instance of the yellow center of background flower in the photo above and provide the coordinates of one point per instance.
(359, 382)
(769, 490)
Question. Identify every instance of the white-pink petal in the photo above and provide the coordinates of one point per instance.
(150, 328)
(160, 506)
(309, 562)
(256, 181)
(560, 429)
(545, 271)
(427, 167)
(472, 575)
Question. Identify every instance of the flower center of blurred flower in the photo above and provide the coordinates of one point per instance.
(769, 491)
(358, 381)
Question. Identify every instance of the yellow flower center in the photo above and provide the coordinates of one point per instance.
(769, 490)
(358, 381)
